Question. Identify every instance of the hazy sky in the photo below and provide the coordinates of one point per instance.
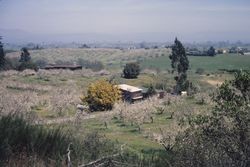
(190, 19)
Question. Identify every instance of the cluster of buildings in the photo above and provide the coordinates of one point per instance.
(235, 50)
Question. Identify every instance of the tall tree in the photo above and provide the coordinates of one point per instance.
(2, 55)
(26, 62)
(25, 55)
(180, 64)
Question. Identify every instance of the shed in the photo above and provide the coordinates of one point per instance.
(130, 93)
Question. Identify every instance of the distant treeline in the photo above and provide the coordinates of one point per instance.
(195, 52)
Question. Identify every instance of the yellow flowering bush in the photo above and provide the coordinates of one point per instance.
(101, 96)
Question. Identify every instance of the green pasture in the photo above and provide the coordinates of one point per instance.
(209, 64)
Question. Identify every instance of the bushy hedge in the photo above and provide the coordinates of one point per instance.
(131, 70)
(24, 144)
(101, 96)
(222, 137)
(41, 63)
(27, 65)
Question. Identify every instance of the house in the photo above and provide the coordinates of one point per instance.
(130, 93)
(222, 51)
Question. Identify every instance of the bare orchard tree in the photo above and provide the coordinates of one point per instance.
(138, 113)
(20, 104)
(63, 100)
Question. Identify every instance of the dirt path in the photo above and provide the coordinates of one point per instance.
(213, 82)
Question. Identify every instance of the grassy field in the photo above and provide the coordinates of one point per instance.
(115, 59)
(52, 96)
(112, 58)
(209, 64)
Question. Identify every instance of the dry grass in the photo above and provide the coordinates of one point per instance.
(17, 103)
(50, 97)
(214, 82)
(107, 56)
(45, 94)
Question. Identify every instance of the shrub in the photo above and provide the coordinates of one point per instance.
(27, 65)
(25, 55)
(24, 144)
(200, 71)
(131, 70)
(19, 138)
(211, 51)
(191, 88)
(96, 145)
(15, 64)
(220, 138)
(101, 96)
(12, 63)
(151, 91)
(161, 85)
(41, 63)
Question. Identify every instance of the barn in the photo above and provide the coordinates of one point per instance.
(69, 67)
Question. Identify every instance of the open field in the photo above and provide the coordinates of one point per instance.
(50, 97)
(151, 58)
(53, 95)
(209, 64)
(124, 83)
(110, 57)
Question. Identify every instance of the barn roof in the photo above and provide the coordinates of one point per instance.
(129, 88)
(71, 67)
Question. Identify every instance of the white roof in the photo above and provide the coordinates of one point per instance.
(129, 88)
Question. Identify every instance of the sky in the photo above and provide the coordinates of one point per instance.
(139, 20)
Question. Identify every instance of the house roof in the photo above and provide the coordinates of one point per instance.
(129, 88)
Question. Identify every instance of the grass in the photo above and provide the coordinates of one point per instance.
(118, 132)
(37, 145)
(17, 89)
(74, 83)
(51, 80)
(44, 113)
(140, 141)
(209, 64)
(112, 58)
(115, 59)
(18, 136)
